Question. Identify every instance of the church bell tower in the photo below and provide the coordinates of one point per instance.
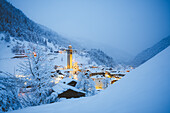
(69, 57)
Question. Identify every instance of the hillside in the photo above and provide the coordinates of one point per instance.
(145, 90)
(147, 54)
(14, 23)
(101, 58)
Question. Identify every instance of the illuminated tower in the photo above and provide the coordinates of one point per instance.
(69, 57)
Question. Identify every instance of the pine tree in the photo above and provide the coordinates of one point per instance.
(7, 37)
(45, 42)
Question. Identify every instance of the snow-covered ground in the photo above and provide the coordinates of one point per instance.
(144, 90)
(9, 64)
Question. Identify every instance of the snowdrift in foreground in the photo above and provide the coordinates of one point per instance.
(145, 90)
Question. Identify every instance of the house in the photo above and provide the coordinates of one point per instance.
(69, 81)
(67, 91)
(115, 74)
(57, 78)
(71, 94)
(96, 71)
(99, 81)
(113, 80)
(66, 72)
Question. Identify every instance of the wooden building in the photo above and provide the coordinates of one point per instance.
(98, 79)
(67, 91)
(115, 74)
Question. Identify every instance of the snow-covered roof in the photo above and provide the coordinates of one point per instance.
(123, 73)
(116, 72)
(60, 75)
(60, 88)
(62, 71)
(67, 80)
(98, 76)
(96, 70)
(113, 79)
(68, 70)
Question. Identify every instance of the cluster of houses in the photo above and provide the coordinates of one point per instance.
(102, 76)
(66, 78)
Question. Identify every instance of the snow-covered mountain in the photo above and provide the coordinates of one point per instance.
(101, 58)
(150, 52)
(14, 23)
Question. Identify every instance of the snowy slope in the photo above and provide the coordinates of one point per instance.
(10, 64)
(144, 90)
(14, 23)
(7, 64)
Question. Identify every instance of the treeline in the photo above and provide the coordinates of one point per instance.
(16, 24)
(101, 58)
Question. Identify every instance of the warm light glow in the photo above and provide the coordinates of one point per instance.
(108, 76)
(34, 54)
(69, 57)
(75, 77)
(19, 76)
(56, 80)
(131, 67)
(98, 87)
(127, 70)
(60, 52)
(21, 94)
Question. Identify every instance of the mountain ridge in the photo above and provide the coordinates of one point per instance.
(150, 52)
(14, 23)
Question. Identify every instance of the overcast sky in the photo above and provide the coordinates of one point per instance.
(127, 25)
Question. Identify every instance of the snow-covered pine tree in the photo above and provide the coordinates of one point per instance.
(37, 71)
(86, 84)
(7, 37)
(9, 89)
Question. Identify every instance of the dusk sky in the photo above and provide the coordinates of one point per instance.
(126, 25)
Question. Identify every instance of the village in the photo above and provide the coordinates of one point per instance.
(67, 67)
(84, 56)
(65, 77)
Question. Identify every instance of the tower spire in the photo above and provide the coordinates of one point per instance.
(69, 57)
